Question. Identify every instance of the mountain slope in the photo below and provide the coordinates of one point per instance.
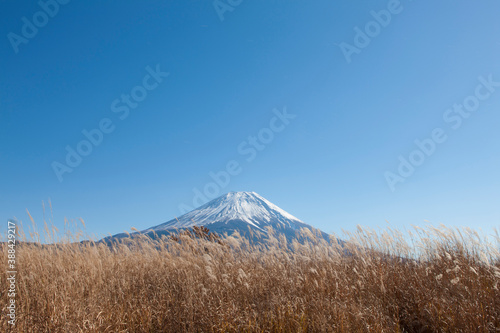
(234, 211)
(247, 207)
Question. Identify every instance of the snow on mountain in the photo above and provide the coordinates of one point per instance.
(234, 208)
(231, 212)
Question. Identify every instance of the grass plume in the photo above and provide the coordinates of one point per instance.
(426, 280)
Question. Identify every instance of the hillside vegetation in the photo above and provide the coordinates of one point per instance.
(425, 280)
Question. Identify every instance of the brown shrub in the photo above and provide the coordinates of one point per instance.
(433, 280)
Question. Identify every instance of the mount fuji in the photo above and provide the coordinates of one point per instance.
(234, 211)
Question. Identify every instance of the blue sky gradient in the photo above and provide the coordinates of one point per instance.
(327, 166)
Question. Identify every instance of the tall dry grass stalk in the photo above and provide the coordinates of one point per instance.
(429, 280)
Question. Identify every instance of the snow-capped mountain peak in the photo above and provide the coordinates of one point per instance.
(233, 211)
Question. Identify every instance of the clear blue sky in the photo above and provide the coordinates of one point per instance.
(327, 166)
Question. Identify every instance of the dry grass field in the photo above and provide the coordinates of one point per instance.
(425, 280)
